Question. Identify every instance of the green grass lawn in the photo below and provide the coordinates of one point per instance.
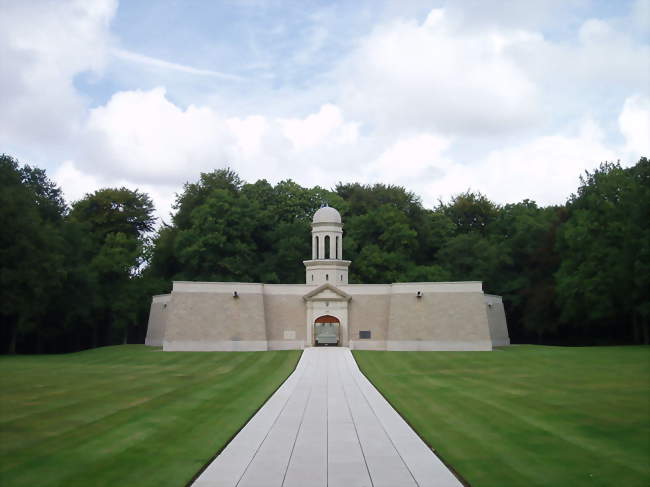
(526, 415)
(127, 415)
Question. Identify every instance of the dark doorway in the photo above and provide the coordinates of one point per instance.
(327, 331)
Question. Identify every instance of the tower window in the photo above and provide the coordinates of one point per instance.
(312, 277)
(327, 247)
(317, 249)
(327, 277)
(336, 254)
(341, 277)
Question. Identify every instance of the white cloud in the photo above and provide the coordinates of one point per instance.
(546, 169)
(43, 46)
(411, 161)
(143, 136)
(634, 123)
(603, 63)
(142, 139)
(402, 107)
(249, 133)
(407, 76)
(327, 124)
(75, 183)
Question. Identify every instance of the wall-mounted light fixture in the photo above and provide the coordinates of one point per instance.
(235, 295)
(489, 305)
(419, 294)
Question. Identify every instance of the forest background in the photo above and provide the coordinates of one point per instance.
(82, 276)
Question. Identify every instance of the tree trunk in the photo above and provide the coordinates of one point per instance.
(95, 335)
(108, 331)
(12, 341)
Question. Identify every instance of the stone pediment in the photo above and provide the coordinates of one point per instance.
(326, 292)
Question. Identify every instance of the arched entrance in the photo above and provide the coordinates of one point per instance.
(327, 331)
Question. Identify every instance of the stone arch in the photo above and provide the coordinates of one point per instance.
(327, 248)
(327, 319)
(327, 331)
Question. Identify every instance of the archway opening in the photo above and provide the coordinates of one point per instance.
(327, 247)
(327, 331)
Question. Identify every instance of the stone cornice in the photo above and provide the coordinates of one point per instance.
(311, 295)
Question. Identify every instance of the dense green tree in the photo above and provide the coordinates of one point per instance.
(30, 249)
(471, 212)
(473, 257)
(527, 235)
(115, 210)
(117, 221)
(227, 230)
(382, 243)
(71, 279)
(602, 281)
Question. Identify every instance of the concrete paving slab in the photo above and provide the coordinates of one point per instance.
(327, 426)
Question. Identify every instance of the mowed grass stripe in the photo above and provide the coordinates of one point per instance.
(473, 433)
(191, 413)
(108, 424)
(97, 408)
(160, 419)
(466, 389)
(60, 391)
(84, 417)
(96, 403)
(567, 427)
(526, 415)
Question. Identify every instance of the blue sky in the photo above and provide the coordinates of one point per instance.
(513, 99)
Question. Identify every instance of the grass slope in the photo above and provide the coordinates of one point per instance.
(526, 415)
(127, 415)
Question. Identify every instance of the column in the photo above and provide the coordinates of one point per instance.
(321, 246)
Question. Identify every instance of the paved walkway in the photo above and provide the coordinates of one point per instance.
(326, 426)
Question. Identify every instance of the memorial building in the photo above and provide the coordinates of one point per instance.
(327, 310)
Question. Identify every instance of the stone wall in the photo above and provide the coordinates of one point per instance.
(496, 315)
(208, 317)
(444, 316)
(369, 312)
(447, 316)
(157, 320)
(285, 316)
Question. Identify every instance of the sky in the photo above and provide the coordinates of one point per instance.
(515, 99)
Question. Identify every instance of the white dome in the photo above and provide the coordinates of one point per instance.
(327, 214)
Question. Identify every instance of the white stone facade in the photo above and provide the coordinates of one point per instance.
(224, 316)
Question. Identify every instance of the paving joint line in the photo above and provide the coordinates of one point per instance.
(300, 379)
(354, 424)
(302, 420)
(354, 372)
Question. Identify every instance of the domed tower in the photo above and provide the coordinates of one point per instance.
(327, 264)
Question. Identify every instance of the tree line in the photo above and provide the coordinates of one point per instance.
(81, 276)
